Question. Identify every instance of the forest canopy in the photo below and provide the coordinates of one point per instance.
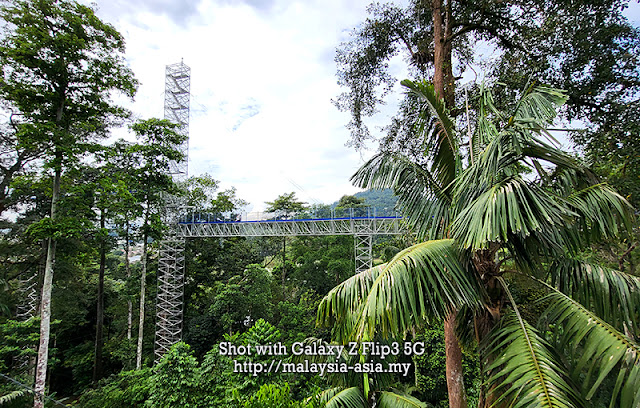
(509, 277)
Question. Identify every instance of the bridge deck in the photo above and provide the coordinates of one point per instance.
(333, 226)
(354, 221)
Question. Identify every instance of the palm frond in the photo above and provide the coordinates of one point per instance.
(524, 370)
(343, 398)
(445, 155)
(512, 207)
(12, 396)
(603, 212)
(598, 348)
(612, 295)
(340, 308)
(537, 149)
(388, 399)
(540, 105)
(422, 200)
(485, 132)
(421, 282)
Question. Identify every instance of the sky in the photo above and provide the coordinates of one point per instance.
(262, 79)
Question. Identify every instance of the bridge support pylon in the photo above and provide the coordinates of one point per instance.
(169, 307)
(363, 252)
(363, 237)
(171, 264)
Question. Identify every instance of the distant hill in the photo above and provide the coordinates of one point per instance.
(376, 198)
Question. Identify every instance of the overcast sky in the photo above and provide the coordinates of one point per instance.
(262, 80)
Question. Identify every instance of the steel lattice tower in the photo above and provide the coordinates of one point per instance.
(176, 109)
(171, 264)
(363, 238)
(363, 252)
(28, 290)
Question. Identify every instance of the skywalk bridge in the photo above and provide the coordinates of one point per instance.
(347, 221)
(361, 222)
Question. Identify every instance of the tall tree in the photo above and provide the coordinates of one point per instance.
(587, 48)
(157, 146)
(101, 185)
(124, 165)
(286, 206)
(484, 220)
(114, 203)
(349, 201)
(61, 65)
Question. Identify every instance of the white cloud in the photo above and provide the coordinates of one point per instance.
(262, 79)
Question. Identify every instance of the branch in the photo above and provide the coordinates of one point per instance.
(13, 124)
(491, 30)
(624, 255)
(406, 42)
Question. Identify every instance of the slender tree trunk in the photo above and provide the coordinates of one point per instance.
(284, 266)
(97, 362)
(127, 268)
(45, 305)
(453, 359)
(143, 287)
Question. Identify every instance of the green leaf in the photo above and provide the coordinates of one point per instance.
(445, 155)
(512, 207)
(524, 370)
(421, 199)
(343, 398)
(422, 282)
(388, 399)
(613, 295)
(600, 347)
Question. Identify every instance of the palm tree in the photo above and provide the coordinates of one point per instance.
(515, 205)
(354, 389)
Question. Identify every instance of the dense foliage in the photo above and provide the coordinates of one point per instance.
(520, 262)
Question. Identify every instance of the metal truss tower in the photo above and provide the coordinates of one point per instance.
(176, 109)
(363, 251)
(28, 307)
(171, 263)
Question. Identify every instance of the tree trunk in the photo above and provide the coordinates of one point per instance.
(284, 267)
(444, 87)
(438, 47)
(127, 268)
(143, 287)
(454, 371)
(486, 268)
(45, 303)
(447, 64)
(97, 361)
